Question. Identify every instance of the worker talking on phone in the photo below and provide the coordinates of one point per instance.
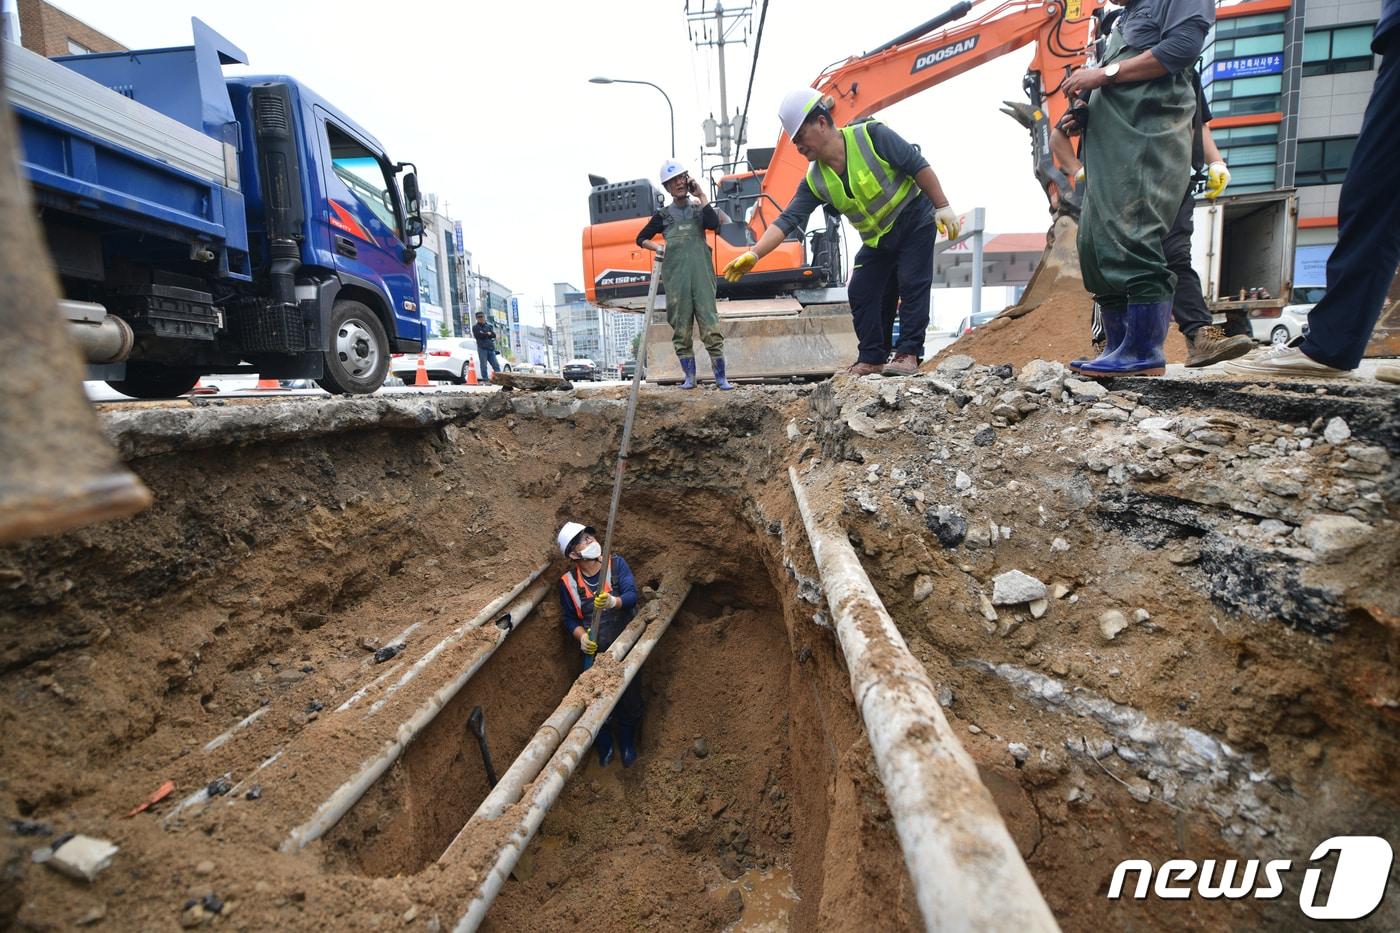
(687, 269)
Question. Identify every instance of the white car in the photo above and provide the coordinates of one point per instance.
(445, 358)
(1292, 321)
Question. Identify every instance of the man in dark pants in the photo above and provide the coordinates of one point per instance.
(485, 336)
(890, 194)
(1363, 263)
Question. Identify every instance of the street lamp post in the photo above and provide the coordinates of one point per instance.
(601, 80)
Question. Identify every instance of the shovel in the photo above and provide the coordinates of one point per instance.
(477, 723)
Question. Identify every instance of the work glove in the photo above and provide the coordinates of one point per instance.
(947, 221)
(1216, 180)
(1079, 177)
(589, 646)
(603, 601)
(737, 267)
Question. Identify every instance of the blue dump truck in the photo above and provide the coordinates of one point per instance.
(206, 224)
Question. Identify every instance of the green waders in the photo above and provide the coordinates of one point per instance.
(1137, 161)
(689, 274)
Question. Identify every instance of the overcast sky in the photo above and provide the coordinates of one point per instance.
(492, 101)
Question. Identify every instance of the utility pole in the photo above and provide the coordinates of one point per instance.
(707, 27)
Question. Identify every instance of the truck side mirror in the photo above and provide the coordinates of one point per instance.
(411, 195)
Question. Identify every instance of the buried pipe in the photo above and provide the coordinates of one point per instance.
(544, 793)
(967, 871)
(348, 794)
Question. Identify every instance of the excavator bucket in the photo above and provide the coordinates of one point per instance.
(764, 340)
(57, 470)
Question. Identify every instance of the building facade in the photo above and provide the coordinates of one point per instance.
(584, 330)
(1288, 82)
(49, 31)
(434, 265)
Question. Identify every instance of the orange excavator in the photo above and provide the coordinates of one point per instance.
(787, 318)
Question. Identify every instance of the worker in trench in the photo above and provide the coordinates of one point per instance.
(885, 187)
(1137, 153)
(687, 269)
(582, 589)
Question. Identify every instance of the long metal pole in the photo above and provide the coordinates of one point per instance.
(626, 442)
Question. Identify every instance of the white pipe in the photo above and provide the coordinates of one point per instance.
(536, 754)
(967, 871)
(348, 794)
(545, 792)
(242, 724)
(486, 615)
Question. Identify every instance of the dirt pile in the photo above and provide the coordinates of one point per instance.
(1210, 673)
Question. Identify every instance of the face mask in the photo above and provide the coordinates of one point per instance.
(592, 552)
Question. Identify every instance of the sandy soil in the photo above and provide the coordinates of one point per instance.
(265, 574)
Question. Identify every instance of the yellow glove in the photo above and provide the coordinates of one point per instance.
(1216, 181)
(588, 645)
(737, 267)
(603, 601)
(1079, 177)
(947, 220)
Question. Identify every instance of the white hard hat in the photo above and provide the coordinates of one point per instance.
(568, 533)
(670, 169)
(796, 106)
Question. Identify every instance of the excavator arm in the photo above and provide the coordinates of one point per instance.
(917, 60)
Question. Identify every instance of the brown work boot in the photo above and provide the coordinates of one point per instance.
(1210, 344)
(862, 369)
(903, 364)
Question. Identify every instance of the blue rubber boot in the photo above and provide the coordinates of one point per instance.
(1114, 329)
(627, 741)
(1140, 353)
(604, 744)
(688, 367)
(720, 381)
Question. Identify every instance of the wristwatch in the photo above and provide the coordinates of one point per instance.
(1111, 72)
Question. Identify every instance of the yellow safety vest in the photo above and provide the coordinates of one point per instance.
(879, 191)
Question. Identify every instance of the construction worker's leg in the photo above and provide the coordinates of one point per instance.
(496, 360)
(915, 274)
(628, 718)
(1362, 264)
(871, 272)
(889, 309)
(680, 314)
(481, 364)
(706, 312)
(1188, 302)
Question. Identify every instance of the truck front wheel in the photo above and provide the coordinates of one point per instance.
(357, 359)
(145, 380)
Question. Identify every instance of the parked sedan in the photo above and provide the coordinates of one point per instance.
(973, 321)
(445, 358)
(1282, 326)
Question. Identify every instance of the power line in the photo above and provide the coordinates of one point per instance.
(753, 69)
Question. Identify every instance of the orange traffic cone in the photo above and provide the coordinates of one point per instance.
(268, 385)
(471, 374)
(421, 379)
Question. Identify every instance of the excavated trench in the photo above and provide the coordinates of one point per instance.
(1248, 714)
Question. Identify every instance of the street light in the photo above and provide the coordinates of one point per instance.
(601, 80)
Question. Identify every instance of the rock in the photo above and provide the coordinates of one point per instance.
(205, 867)
(985, 436)
(729, 867)
(1141, 615)
(792, 431)
(1273, 528)
(867, 501)
(1038, 607)
(962, 481)
(1018, 751)
(1060, 545)
(988, 612)
(974, 728)
(1059, 591)
(862, 425)
(1111, 623)
(1039, 373)
(978, 536)
(949, 527)
(30, 828)
(388, 652)
(898, 476)
(701, 748)
(1100, 413)
(194, 916)
(945, 696)
(956, 364)
(1333, 536)
(92, 916)
(1337, 431)
(1085, 388)
(1003, 371)
(411, 914)
(923, 587)
(289, 675)
(82, 857)
(1141, 791)
(1014, 587)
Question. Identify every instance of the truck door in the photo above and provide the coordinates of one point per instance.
(366, 225)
